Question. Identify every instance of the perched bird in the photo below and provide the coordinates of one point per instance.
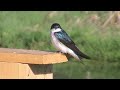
(64, 43)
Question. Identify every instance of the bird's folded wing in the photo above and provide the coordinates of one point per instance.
(65, 39)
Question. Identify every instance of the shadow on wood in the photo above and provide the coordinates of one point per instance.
(41, 69)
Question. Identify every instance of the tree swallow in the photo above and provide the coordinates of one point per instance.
(64, 43)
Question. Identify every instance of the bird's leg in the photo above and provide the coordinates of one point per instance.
(60, 52)
(68, 55)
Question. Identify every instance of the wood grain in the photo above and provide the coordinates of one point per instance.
(31, 56)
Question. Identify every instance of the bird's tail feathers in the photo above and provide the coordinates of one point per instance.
(81, 55)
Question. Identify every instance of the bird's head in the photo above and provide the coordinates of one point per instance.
(55, 27)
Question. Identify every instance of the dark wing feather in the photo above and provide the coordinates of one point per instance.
(65, 39)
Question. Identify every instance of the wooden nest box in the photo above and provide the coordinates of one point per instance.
(28, 64)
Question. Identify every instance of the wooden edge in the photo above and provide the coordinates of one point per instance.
(30, 56)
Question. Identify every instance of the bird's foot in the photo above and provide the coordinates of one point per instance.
(60, 52)
(68, 55)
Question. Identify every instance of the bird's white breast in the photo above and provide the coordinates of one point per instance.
(58, 45)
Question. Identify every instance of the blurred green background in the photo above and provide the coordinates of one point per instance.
(96, 33)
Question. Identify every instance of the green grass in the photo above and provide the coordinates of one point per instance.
(31, 30)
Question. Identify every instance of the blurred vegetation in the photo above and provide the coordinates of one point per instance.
(96, 33)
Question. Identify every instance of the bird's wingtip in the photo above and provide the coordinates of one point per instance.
(88, 57)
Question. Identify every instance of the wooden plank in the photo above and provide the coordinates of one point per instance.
(25, 71)
(30, 56)
(8, 70)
